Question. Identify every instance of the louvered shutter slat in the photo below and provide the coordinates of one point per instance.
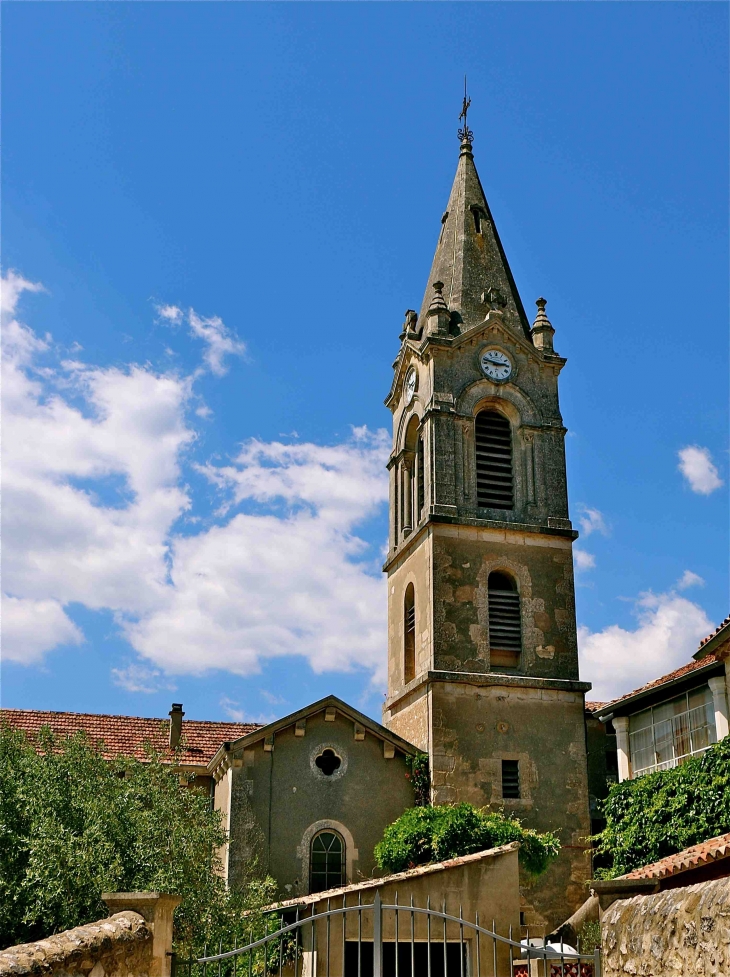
(495, 477)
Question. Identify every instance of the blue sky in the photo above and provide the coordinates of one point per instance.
(214, 216)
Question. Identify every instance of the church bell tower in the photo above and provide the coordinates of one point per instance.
(482, 653)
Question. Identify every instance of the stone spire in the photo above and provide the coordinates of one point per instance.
(469, 258)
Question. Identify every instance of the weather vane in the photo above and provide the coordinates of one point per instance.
(465, 133)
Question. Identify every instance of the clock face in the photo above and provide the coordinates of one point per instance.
(496, 365)
(410, 387)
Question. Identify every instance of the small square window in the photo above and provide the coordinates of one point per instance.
(510, 778)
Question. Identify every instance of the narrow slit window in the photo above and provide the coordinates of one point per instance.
(511, 779)
(505, 626)
(495, 477)
(421, 494)
(409, 628)
(477, 221)
(396, 508)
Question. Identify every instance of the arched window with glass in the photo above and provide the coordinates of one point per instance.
(494, 463)
(326, 861)
(505, 625)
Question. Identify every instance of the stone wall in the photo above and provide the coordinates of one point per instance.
(669, 934)
(136, 941)
(120, 946)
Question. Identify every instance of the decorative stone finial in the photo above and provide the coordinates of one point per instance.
(542, 331)
(438, 313)
(438, 302)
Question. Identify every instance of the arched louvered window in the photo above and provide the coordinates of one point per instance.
(505, 628)
(495, 479)
(409, 634)
(327, 861)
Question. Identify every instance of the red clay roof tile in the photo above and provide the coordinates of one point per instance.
(127, 735)
(716, 631)
(707, 851)
(677, 673)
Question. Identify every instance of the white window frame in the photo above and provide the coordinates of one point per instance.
(687, 716)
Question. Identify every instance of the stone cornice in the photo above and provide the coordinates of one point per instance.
(487, 680)
(488, 524)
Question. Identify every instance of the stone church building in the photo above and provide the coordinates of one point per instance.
(482, 654)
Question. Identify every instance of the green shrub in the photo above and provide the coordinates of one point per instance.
(662, 813)
(73, 825)
(433, 834)
(589, 936)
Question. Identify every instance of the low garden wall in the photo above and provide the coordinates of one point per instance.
(135, 942)
(669, 934)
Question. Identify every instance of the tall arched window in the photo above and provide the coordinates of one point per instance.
(495, 478)
(409, 634)
(326, 861)
(420, 478)
(505, 628)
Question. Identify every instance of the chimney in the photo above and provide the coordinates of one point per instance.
(176, 717)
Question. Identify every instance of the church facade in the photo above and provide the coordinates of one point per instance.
(482, 652)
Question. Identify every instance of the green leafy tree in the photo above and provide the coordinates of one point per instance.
(74, 825)
(662, 813)
(432, 834)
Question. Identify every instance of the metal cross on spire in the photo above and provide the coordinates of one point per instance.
(465, 134)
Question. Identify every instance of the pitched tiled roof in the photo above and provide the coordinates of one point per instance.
(671, 677)
(595, 706)
(715, 632)
(708, 851)
(127, 735)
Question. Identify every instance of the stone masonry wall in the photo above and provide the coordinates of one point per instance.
(120, 946)
(670, 934)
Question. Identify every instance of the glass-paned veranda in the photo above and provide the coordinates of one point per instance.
(327, 861)
(663, 736)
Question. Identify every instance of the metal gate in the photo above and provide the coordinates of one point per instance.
(379, 940)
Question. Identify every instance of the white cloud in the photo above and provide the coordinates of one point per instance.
(33, 627)
(231, 708)
(583, 560)
(220, 341)
(592, 521)
(698, 468)
(94, 488)
(617, 660)
(689, 579)
(12, 286)
(288, 580)
(170, 312)
(141, 678)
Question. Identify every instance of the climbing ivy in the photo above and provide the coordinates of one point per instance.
(420, 777)
(662, 813)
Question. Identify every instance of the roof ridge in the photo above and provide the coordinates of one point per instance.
(690, 666)
(118, 715)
